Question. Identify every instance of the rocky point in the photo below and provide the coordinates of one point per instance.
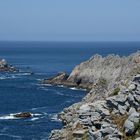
(111, 108)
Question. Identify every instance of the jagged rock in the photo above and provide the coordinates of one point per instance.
(137, 78)
(95, 116)
(5, 67)
(95, 135)
(132, 87)
(131, 98)
(127, 104)
(136, 97)
(121, 98)
(105, 124)
(112, 103)
(129, 127)
(131, 111)
(55, 135)
(93, 128)
(114, 137)
(80, 134)
(134, 117)
(103, 112)
(85, 107)
(129, 124)
(86, 122)
(107, 131)
(97, 124)
(106, 71)
(122, 109)
(56, 80)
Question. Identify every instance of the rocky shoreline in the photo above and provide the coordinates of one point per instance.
(111, 109)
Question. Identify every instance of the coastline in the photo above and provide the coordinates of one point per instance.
(101, 88)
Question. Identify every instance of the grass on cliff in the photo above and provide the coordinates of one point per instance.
(115, 91)
(119, 121)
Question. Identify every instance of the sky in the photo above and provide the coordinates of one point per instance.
(70, 20)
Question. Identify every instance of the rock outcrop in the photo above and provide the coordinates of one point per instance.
(5, 67)
(110, 70)
(111, 109)
(23, 115)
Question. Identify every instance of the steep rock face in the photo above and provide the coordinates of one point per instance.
(111, 68)
(116, 117)
(108, 71)
(111, 108)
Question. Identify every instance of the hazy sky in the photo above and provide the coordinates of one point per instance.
(70, 20)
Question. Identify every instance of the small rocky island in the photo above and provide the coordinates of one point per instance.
(5, 67)
(23, 115)
(111, 109)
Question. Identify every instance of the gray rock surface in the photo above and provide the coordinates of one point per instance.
(111, 106)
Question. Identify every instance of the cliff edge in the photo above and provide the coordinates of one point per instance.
(111, 109)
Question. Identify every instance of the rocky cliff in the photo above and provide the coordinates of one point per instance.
(111, 109)
(111, 69)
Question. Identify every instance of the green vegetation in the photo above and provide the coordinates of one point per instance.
(115, 91)
(103, 82)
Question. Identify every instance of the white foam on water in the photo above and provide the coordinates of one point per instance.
(2, 77)
(8, 117)
(68, 101)
(59, 93)
(37, 108)
(54, 117)
(36, 114)
(60, 86)
(34, 108)
(13, 76)
(12, 136)
(49, 85)
(42, 88)
(73, 88)
(39, 79)
(22, 74)
(34, 119)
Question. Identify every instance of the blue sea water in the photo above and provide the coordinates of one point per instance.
(21, 91)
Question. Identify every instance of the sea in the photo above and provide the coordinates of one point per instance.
(23, 92)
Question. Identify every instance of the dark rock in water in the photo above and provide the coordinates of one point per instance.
(23, 115)
(62, 79)
(58, 79)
